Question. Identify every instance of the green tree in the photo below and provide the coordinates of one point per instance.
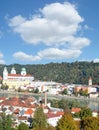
(4, 87)
(36, 90)
(23, 126)
(66, 123)
(83, 92)
(90, 123)
(39, 120)
(85, 112)
(64, 92)
(5, 122)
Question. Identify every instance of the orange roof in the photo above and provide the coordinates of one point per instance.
(75, 110)
(29, 111)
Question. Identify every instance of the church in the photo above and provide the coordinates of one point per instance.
(14, 80)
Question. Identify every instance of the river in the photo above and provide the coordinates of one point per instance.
(92, 103)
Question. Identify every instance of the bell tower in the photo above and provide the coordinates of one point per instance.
(13, 71)
(90, 81)
(5, 73)
(23, 71)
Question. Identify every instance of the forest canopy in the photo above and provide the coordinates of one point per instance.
(75, 72)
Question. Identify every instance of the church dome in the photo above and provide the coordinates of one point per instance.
(23, 71)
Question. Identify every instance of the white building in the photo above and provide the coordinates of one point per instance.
(14, 80)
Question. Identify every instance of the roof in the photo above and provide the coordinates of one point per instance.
(53, 115)
(75, 110)
(19, 75)
(29, 111)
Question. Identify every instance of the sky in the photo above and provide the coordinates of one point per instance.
(44, 31)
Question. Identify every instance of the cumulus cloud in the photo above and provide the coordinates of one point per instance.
(54, 53)
(25, 57)
(50, 53)
(56, 25)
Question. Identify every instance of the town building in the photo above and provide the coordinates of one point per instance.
(14, 80)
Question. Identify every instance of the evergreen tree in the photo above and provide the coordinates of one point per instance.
(5, 122)
(39, 120)
(23, 126)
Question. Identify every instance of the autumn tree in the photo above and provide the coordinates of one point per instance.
(66, 123)
(90, 123)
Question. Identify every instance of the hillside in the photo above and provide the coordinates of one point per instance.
(76, 72)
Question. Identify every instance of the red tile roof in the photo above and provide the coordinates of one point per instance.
(52, 115)
(75, 110)
(29, 111)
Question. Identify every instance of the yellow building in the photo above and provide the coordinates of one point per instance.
(14, 80)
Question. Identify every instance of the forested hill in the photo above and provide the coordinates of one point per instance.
(76, 72)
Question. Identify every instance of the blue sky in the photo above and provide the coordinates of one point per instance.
(44, 31)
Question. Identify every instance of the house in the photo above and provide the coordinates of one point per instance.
(75, 110)
(53, 118)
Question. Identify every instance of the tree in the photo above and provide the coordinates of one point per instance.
(39, 120)
(36, 90)
(64, 92)
(4, 87)
(90, 123)
(5, 122)
(85, 112)
(23, 126)
(83, 92)
(66, 123)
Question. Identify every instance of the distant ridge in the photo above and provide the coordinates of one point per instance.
(75, 72)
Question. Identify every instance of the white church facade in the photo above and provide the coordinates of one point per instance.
(14, 80)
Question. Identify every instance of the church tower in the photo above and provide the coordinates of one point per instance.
(23, 71)
(5, 73)
(90, 81)
(13, 71)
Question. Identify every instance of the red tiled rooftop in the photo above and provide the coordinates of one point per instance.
(52, 115)
(29, 111)
(75, 110)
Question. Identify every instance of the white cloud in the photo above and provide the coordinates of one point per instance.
(25, 57)
(56, 25)
(16, 21)
(54, 53)
(96, 60)
(51, 53)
